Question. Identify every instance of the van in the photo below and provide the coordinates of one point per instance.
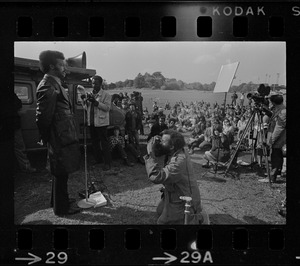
(27, 76)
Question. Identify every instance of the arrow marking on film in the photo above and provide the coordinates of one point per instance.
(168, 259)
(32, 260)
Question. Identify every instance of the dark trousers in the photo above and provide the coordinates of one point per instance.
(99, 137)
(276, 162)
(60, 196)
(130, 147)
(134, 139)
(120, 151)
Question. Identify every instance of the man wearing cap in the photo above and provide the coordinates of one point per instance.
(276, 135)
(98, 104)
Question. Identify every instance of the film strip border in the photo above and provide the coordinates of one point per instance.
(151, 245)
(153, 21)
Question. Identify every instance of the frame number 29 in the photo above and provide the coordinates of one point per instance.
(60, 258)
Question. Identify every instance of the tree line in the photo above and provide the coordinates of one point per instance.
(157, 81)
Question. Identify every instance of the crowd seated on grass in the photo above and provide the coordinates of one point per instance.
(196, 120)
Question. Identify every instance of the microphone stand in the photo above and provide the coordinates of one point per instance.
(85, 203)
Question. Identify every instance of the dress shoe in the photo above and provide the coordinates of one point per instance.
(71, 201)
(72, 210)
(140, 160)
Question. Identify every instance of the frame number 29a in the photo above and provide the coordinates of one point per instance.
(60, 258)
(195, 257)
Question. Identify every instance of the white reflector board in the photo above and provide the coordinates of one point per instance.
(225, 77)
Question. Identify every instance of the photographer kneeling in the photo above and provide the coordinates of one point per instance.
(177, 177)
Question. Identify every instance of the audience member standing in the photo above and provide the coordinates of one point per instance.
(233, 98)
(98, 104)
(277, 136)
(242, 99)
(133, 119)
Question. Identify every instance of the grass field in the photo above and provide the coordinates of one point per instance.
(132, 198)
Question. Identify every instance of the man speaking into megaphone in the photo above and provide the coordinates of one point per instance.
(97, 104)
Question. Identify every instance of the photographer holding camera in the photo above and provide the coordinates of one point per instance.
(276, 135)
(177, 177)
(98, 104)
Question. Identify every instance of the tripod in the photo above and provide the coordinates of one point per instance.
(260, 133)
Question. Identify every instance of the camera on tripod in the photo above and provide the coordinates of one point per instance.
(259, 97)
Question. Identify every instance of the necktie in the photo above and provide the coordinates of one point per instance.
(92, 114)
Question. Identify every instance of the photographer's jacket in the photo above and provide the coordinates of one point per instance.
(178, 179)
(56, 124)
(101, 112)
(277, 127)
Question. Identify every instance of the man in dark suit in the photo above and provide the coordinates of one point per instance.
(57, 128)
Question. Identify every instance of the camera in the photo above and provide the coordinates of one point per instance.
(90, 96)
(157, 147)
(259, 97)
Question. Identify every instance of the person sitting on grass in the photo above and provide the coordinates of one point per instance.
(172, 124)
(198, 136)
(117, 144)
(220, 150)
(206, 143)
(157, 128)
(228, 130)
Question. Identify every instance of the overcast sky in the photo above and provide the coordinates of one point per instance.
(187, 61)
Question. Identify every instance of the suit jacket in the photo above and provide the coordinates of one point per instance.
(57, 126)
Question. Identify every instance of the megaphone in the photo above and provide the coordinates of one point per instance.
(77, 61)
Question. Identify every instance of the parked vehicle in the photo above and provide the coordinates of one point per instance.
(27, 76)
